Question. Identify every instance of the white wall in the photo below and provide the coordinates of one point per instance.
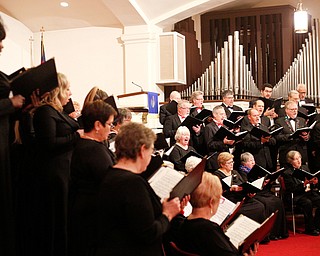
(87, 56)
(16, 51)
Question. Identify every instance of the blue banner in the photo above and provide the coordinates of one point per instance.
(153, 102)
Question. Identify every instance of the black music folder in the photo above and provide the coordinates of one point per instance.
(224, 132)
(154, 165)
(254, 186)
(236, 114)
(303, 174)
(310, 107)
(190, 153)
(204, 114)
(69, 108)
(258, 171)
(190, 182)
(307, 116)
(258, 132)
(299, 131)
(15, 73)
(272, 103)
(232, 124)
(190, 122)
(43, 77)
(161, 142)
(111, 101)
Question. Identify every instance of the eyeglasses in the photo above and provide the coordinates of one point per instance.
(230, 162)
(293, 109)
(111, 125)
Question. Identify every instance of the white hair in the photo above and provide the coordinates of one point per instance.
(191, 163)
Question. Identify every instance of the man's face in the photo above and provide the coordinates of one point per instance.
(294, 97)
(220, 115)
(259, 106)
(292, 110)
(254, 117)
(266, 93)
(184, 110)
(228, 100)
(302, 93)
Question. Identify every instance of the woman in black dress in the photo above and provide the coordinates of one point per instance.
(196, 233)
(90, 161)
(56, 135)
(131, 219)
(270, 201)
(181, 148)
(7, 107)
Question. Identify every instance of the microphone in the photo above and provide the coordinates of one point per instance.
(137, 86)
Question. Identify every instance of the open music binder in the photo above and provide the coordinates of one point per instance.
(248, 187)
(299, 131)
(259, 133)
(258, 171)
(307, 116)
(204, 114)
(224, 132)
(244, 232)
(303, 174)
(43, 77)
(236, 114)
(232, 124)
(190, 122)
(310, 107)
(169, 183)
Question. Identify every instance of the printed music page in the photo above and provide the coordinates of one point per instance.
(226, 207)
(240, 229)
(164, 180)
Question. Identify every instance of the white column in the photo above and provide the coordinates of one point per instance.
(140, 46)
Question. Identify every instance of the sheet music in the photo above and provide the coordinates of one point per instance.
(240, 229)
(226, 207)
(228, 180)
(164, 180)
(258, 183)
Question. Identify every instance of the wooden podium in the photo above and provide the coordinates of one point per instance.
(135, 100)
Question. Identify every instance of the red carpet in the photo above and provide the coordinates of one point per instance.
(299, 244)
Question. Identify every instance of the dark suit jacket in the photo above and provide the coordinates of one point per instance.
(245, 124)
(170, 127)
(282, 112)
(228, 112)
(286, 144)
(213, 145)
(164, 113)
(261, 152)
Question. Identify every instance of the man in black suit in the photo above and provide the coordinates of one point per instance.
(214, 144)
(293, 95)
(258, 147)
(227, 102)
(259, 106)
(164, 113)
(290, 123)
(266, 92)
(302, 90)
